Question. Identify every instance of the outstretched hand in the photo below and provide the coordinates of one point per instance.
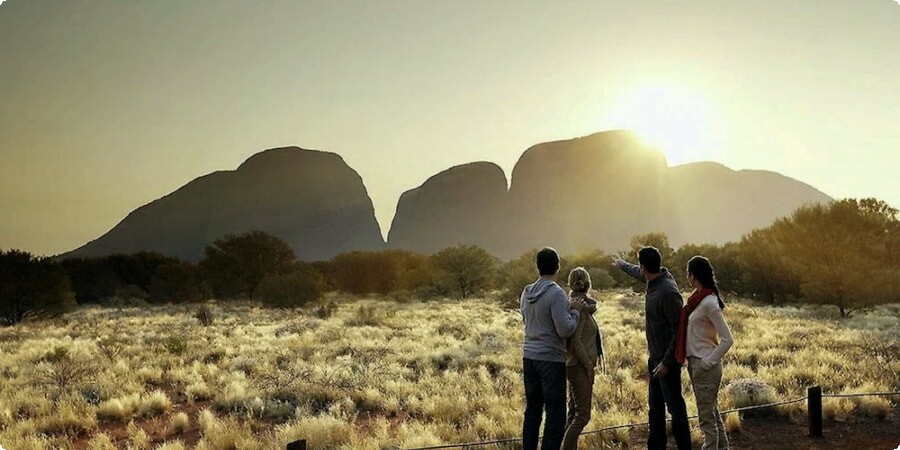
(617, 262)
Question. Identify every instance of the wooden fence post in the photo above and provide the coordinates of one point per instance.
(297, 445)
(814, 410)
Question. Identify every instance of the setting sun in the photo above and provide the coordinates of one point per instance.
(678, 122)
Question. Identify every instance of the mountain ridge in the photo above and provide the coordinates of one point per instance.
(594, 191)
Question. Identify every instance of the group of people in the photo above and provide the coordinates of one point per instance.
(563, 345)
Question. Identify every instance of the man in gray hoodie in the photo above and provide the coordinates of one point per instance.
(549, 321)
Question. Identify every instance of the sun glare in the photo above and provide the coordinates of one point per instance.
(677, 122)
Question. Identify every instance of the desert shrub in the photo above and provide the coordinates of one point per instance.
(31, 287)
(61, 369)
(876, 407)
(465, 269)
(111, 346)
(365, 315)
(175, 344)
(68, 420)
(114, 410)
(290, 290)
(327, 310)
(320, 432)
(204, 315)
(179, 423)
(137, 437)
(101, 441)
(749, 392)
(235, 265)
(96, 279)
(176, 282)
(154, 404)
(382, 272)
(198, 391)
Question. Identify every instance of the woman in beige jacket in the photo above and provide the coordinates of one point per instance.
(703, 339)
(585, 347)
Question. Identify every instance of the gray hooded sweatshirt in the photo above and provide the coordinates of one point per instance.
(548, 321)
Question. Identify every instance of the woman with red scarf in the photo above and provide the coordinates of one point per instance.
(703, 339)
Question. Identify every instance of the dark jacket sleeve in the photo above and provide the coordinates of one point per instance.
(672, 313)
(633, 270)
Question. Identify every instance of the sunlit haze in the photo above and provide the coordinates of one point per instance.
(108, 105)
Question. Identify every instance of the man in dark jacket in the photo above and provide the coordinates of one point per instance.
(549, 321)
(663, 311)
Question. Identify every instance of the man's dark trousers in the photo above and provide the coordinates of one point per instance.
(666, 392)
(545, 389)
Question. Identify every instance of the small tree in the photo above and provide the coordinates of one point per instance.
(236, 264)
(764, 272)
(843, 253)
(31, 287)
(464, 269)
(658, 240)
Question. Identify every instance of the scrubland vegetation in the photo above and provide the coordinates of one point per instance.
(380, 373)
(395, 349)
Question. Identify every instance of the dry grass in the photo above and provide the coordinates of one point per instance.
(376, 374)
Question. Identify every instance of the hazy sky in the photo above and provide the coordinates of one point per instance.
(106, 105)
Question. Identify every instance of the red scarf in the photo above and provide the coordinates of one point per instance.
(693, 301)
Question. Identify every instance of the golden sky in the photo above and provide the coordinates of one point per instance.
(106, 105)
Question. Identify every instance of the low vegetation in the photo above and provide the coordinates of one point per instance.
(375, 373)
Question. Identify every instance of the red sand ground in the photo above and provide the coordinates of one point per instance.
(774, 433)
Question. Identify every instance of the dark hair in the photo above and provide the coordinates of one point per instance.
(547, 261)
(702, 270)
(650, 259)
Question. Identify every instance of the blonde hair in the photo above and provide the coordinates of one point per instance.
(580, 280)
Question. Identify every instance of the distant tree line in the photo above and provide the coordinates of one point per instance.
(845, 254)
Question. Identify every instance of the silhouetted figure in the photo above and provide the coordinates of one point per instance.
(549, 321)
(663, 311)
(702, 325)
(585, 348)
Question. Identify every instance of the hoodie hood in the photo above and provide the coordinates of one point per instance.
(535, 290)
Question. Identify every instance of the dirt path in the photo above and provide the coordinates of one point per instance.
(759, 434)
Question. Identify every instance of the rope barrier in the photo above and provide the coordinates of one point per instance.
(860, 395)
(635, 425)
